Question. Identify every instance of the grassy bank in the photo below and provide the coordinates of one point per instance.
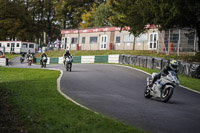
(35, 106)
(190, 58)
(10, 56)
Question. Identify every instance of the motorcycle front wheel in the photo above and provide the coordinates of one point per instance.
(166, 94)
(147, 92)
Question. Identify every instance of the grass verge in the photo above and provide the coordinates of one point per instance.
(35, 103)
(10, 56)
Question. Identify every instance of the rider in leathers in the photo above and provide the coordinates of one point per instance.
(172, 66)
(67, 54)
(43, 55)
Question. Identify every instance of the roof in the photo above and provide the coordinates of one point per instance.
(98, 29)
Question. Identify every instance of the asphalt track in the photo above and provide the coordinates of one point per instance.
(117, 92)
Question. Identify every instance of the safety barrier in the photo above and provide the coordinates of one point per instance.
(84, 59)
(184, 68)
(3, 61)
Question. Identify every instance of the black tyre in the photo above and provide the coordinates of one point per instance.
(70, 67)
(45, 64)
(147, 92)
(166, 94)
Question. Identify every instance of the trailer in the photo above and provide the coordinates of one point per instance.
(17, 47)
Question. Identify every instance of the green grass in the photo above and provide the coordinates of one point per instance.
(10, 56)
(35, 101)
(191, 83)
(190, 58)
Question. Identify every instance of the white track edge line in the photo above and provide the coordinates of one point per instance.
(63, 94)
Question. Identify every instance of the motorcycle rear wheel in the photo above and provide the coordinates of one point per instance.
(166, 94)
(147, 92)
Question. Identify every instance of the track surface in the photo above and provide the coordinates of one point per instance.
(117, 92)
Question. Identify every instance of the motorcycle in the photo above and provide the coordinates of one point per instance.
(68, 63)
(30, 58)
(163, 88)
(43, 62)
(21, 59)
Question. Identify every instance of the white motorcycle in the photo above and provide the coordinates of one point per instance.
(68, 63)
(163, 88)
(43, 62)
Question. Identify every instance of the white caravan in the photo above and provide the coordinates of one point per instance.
(17, 47)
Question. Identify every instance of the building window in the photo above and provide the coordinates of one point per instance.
(93, 40)
(83, 40)
(17, 44)
(74, 40)
(24, 45)
(31, 45)
(128, 38)
(117, 39)
(8, 44)
(142, 38)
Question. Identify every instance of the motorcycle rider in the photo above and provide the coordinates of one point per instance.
(172, 66)
(22, 57)
(28, 54)
(43, 55)
(67, 54)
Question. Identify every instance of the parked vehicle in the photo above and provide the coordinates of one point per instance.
(43, 62)
(163, 88)
(68, 63)
(18, 46)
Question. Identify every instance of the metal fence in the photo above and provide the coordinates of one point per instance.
(178, 41)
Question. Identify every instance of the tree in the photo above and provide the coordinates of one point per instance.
(13, 20)
(97, 16)
(69, 12)
(167, 14)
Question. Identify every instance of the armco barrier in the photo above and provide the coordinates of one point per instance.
(87, 59)
(113, 58)
(188, 69)
(157, 64)
(195, 70)
(3, 62)
(76, 59)
(101, 59)
(164, 63)
(121, 58)
(142, 61)
(184, 68)
(149, 62)
(54, 60)
(133, 60)
(60, 60)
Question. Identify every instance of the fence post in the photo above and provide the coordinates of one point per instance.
(179, 40)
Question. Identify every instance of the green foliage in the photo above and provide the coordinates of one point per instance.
(167, 14)
(97, 16)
